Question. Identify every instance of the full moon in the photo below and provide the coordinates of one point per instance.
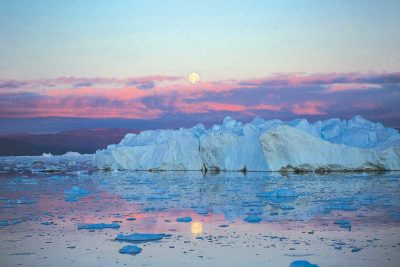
(194, 77)
(197, 228)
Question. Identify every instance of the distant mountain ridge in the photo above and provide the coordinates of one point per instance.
(85, 141)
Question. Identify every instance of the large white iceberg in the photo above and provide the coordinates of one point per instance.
(288, 148)
(274, 145)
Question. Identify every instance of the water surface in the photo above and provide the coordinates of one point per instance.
(335, 219)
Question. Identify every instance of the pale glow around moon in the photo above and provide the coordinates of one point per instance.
(197, 228)
(194, 77)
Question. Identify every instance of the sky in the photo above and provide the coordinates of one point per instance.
(130, 59)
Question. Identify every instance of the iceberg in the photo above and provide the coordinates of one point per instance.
(288, 148)
(274, 145)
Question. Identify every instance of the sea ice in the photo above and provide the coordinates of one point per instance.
(93, 226)
(302, 263)
(184, 219)
(252, 219)
(75, 193)
(139, 237)
(130, 249)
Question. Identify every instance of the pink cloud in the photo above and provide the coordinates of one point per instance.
(309, 108)
(337, 87)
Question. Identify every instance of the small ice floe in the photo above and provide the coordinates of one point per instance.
(47, 223)
(302, 263)
(4, 223)
(223, 225)
(131, 219)
(280, 195)
(11, 222)
(355, 249)
(74, 194)
(252, 219)
(96, 226)
(184, 219)
(139, 237)
(343, 223)
(130, 249)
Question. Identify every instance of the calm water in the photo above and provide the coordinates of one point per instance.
(330, 220)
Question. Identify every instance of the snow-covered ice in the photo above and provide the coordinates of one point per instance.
(274, 145)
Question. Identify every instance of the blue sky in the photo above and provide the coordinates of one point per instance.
(218, 39)
(130, 59)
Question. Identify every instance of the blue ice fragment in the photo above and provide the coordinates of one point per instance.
(302, 263)
(130, 249)
(74, 194)
(356, 249)
(131, 219)
(343, 223)
(4, 223)
(94, 226)
(184, 219)
(252, 219)
(139, 237)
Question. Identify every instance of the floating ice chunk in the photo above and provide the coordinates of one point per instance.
(95, 226)
(356, 249)
(47, 155)
(139, 237)
(130, 249)
(343, 224)
(252, 219)
(74, 194)
(302, 263)
(184, 219)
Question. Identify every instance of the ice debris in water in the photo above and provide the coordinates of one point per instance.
(343, 223)
(139, 237)
(302, 263)
(184, 219)
(94, 226)
(75, 193)
(355, 249)
(130, 249)
(47, 155)
(351, 145)
(252, 219)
